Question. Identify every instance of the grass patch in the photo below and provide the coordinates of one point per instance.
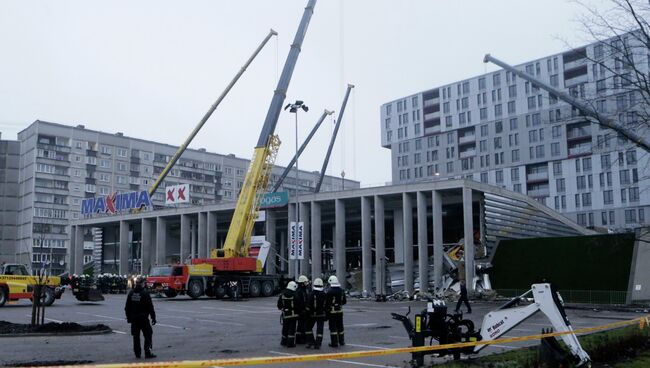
(627, 347)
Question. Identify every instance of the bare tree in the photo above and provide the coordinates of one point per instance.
(620, 65)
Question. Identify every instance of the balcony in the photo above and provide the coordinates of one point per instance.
(537, 176)
(54, 147)
(471, 138)
(580, 150)
(544, 192)
(467, 153)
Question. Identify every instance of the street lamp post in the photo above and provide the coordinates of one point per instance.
(294, 108)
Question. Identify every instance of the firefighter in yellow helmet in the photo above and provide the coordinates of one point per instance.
(303, 314)
(317, 314)
(289, 306)
(334, 301)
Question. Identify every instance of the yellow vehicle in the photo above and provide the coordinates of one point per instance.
(16, 283)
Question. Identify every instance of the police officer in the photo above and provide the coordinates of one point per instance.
(317, 311)
(334, 302)
(138, 309)
(303, 314)
(289, 305)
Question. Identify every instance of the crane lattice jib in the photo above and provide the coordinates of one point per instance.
(238, 239)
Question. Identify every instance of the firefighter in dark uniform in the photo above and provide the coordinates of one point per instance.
(334, 302)
(138, 309)
(289, 306)
(303, 314)
(318, 315)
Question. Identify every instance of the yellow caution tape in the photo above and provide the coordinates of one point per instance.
(642, 321)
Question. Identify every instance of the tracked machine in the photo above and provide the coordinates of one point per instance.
(434, 323)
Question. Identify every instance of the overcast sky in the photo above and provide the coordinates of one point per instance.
(150, 69)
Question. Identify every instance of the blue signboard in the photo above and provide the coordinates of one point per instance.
(116, 202)
(274, 200)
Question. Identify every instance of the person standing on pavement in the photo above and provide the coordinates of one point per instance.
(303, 314)
(318, 315)
(289, 305)
(334, 302)
(139, 308)
(463, 298)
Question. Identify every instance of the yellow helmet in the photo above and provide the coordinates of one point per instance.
(292, 286)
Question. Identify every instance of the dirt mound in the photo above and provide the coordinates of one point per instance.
(8, 328)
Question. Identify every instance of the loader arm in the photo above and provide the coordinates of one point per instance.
(499, 322)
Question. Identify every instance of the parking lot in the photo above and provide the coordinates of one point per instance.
(214, 329)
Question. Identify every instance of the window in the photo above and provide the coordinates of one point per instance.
(448, 121)
(608, 196)
(498, 126)
(513, 124)
(481, 83)
(512, 91)
(600, 86)
(121, 166)
(445, 107)
(464, 103)
(496, 79)
(517, 188)
(414, 102)
(586, 199)
(512, 109)
(624, 176)
(581, 182)
(122, 152)
(560, 185)
(498, 176)
(484, 130)
(450, 167)
(497, 142)
(532, 102)
(554, 80)
(634, 194)
(120, 179)
(556, 131)
(630, 216)
(630, 157)
(555, 149)
(586, 164)
(557, 168)
(514, 174)
(484, 177)
(515, 155)
(498, 110)
(389, 109)
(483, 113)
(482, 146)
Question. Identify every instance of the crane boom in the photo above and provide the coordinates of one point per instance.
(239, 233)
(302, 148)
(584, 108)
(207, 115)
(336, 130)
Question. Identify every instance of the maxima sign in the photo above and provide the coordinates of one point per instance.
(116, 202)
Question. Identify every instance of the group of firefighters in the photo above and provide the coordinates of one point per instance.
(304, 307)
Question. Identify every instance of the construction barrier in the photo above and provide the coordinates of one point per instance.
(643, 322)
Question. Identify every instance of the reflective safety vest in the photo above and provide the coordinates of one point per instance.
(288, 307)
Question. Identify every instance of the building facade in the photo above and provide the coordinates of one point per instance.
(500, 129)
(9, 161)
(61, 165)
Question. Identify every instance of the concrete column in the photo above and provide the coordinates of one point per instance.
(71, 249)
(193, 226)
(366, 245)
(316, 241)
(398, 231)
(468, 235)
(407, 214)
(203, 235)
(283, 252)
(270, 237)
(161, 241)
(146, 247)
(124, 248)
(304, 217)
(339, 242)
(212, 232)
(186, 235)
(423, 253)
(380, 247)
(79, 250)
(438, 249)
(292, 262)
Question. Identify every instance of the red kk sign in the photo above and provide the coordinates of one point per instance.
(177, 194)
